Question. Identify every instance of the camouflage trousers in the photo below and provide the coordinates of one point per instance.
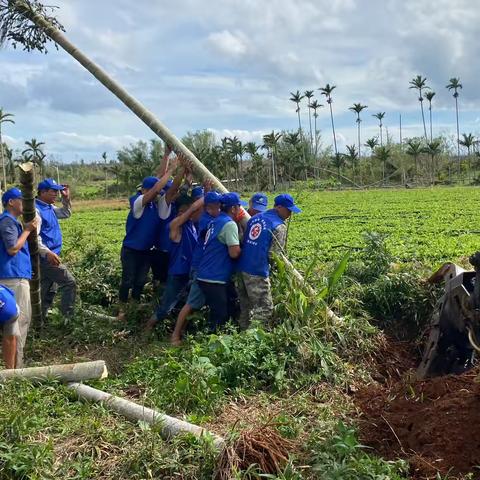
(255, 298)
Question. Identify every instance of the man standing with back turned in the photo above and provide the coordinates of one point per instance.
(265, 232)
(52, 271)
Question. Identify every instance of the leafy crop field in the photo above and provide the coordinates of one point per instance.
(303, 380)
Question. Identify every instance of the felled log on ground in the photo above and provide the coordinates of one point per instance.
(169, 426)
(72, 372)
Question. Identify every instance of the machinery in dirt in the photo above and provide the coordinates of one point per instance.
(452, 343)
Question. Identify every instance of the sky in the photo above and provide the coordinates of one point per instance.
(229, 67)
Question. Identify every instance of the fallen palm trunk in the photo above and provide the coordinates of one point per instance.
(169, 426)
(73, 372)
(34, 15)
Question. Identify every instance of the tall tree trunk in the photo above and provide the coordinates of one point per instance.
(431, 125)
(381, 134)
(27, 181)
(316, 136)
(333, 129)
(310, 122)
(423, 119)
(359, 144)
(458, 134)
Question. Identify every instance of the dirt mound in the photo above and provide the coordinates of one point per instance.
(434, 424)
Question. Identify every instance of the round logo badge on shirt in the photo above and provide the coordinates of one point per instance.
(255, 231)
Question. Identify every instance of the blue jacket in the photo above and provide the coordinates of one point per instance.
(180, 260)
(8, 305)
(256, 243)
(216, 264)
(50, 230)
(203, 223)
(16, 266)
(141, 232)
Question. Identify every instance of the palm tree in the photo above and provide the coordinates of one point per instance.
(270, 144)
(34, 153)
(414, 149)
(383, 154)
(309, 94)
(455, 85)
(293, 139)
(104, 156)
(315, 106)
(433, 148)
(468, 141)
(352, 156)
(429, 96)
(297, 98)
(420, 83)
(4, 118)
(327, 92)
(251, 148)
(338, 161)
(357, 109)
(235, 147)
(380, 116)
(372, 143)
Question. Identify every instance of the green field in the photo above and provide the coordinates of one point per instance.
(297, 377)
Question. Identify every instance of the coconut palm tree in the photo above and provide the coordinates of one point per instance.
(4, 118)
(455, 85)
(327, 92)
(380, 116)
(315, 106)
(357, 108)
(429, 96)
(383, 154)
(297, 98)
(270, 144)
(372, 143)
(309, 95)
(34, 153)
(420, 83)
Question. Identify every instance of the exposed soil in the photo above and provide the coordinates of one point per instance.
(434, 424)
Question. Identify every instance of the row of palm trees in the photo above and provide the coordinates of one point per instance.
(418, 83)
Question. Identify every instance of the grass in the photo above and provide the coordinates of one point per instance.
(295, 376)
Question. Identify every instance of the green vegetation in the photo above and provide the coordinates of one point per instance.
(294, 375)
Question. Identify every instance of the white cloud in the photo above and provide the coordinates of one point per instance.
(228, 43)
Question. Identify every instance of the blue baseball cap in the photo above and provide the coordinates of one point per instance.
(259, 202)
(232, 199)
(11, 194)
(149, 182)
(8, 305)
(50, 184)
(286, 200)
(212, 197)
(197, 192)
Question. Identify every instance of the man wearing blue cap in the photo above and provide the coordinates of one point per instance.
(143, 223)
(196, 298)
(258, 203)
(265, 232)
(221, 248)
(9, 313)
(15, 266)
(54, 274)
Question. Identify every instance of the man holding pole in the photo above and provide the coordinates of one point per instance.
(15, 266)
(53, 272)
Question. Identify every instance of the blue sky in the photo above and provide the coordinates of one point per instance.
(229, 66)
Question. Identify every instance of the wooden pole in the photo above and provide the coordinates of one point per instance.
(169, 426)
(27, 181)
(73, 372)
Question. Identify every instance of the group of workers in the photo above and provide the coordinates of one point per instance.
(195, 241)
(197, 245)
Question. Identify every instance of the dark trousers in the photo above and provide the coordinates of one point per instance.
(159, 264)
(53, 278)
(220, 298)
(175, 288)
(135, 267)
